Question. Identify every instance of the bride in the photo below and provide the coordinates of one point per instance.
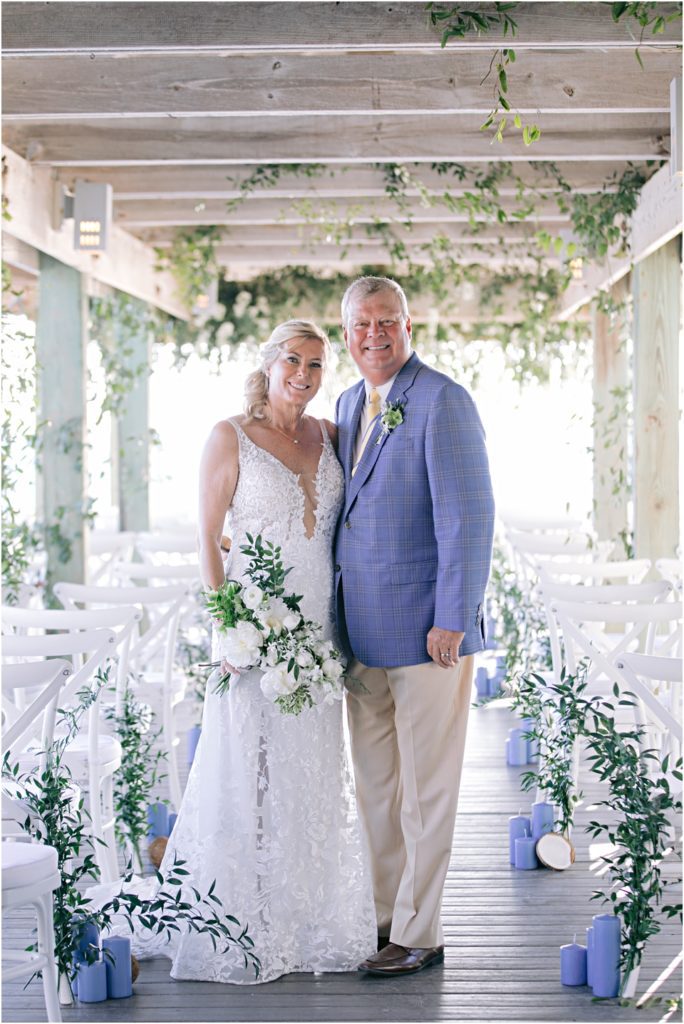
(269, 811)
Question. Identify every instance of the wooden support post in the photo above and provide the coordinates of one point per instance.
(611, 421)
(656, 374)
(60, 354)
(132, 425)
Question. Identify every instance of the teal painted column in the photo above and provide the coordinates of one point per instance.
(60, 354)
(133, 421)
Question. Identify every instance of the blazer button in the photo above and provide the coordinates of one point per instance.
(338, 568)
(347, 524)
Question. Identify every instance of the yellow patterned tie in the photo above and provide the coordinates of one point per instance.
(374, 406)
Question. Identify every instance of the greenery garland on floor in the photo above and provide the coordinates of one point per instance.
(57, 818)
(645, 810)
(140, 772)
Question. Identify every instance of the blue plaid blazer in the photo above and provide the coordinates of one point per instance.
(414, 541)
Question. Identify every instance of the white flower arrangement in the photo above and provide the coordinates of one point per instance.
(261, 626)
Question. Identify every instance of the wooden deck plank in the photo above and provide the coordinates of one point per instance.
(502, 930)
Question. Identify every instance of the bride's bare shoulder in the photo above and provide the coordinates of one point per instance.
(223, 436)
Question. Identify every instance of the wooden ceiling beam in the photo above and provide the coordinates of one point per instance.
(88, 27)
(348, 139)
(333, 182)
(419, 234)
(144, 214)
(133, 85)
(324, 255)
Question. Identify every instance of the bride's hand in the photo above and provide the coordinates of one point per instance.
(226, 667)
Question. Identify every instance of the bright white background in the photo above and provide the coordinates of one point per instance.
(538, 438)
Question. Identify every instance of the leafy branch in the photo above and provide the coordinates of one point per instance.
(457, 22)
(647, 16)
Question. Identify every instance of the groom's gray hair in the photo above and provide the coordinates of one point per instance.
(368, 286)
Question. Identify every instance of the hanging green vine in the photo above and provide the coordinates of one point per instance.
(266, 176)
(117, 322)
(191, 259)
(457, 22)
(647, 16)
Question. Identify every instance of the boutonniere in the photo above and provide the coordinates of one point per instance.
(392, 416)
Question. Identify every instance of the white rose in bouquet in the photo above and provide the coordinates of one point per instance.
(277, 682)
(292, 620)
(252, 596)
(273, 615)
(332, 669)
(240, 644)
(305, 658)
(324, 650)
(329, 692)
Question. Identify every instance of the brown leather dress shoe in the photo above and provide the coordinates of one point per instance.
(394, 960)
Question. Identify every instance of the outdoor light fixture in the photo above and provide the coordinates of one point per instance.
(91, 209)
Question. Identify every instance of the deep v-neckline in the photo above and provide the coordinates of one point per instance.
(296, 476)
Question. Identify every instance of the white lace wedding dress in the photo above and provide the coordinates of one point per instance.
(268, 812)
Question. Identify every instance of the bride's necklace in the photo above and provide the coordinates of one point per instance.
(294, 440)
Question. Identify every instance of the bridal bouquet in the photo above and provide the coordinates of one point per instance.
(261, 626)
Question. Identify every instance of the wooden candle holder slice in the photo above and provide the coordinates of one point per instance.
(555, 851)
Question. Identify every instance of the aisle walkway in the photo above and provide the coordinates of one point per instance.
(503, 930)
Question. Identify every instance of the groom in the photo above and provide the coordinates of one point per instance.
(413, 552)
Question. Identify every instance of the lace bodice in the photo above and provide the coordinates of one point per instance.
(269, 499)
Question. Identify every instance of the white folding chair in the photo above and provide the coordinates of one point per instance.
(560, 571)
(36, 687)
(105, 549)
(671, 569)
(542, 524)
(657, 684)
(167, 547)
(30, 876)
(92, 756)
(530, 549)
(152, 650)
(606, 619)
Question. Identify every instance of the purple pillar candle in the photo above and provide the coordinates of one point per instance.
(525, 856)
(518, 827)
(172, 821)
(590, 956)
(517, 750)
(192, 739)
(92, 982)
(605, 971)
(118, 965)
(493, 686)
(573, 964)
(543, 818)
(482, 682)
(157, 820)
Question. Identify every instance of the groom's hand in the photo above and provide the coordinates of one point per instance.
(443, 646)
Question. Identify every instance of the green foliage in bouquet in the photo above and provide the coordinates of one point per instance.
(261, 625)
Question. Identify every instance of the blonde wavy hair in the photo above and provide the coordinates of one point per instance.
(256, 385)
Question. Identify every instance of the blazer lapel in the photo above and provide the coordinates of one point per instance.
(402, 384)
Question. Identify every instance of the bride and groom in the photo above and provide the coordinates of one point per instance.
(386, 519)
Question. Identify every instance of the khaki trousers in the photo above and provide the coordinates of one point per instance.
(408, 727)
